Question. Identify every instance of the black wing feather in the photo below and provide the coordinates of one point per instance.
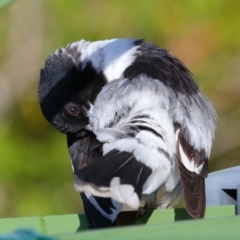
(94, 218)
(193, 184)
(116, 164)
(84, 149)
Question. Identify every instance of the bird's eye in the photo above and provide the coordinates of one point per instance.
(72, 110)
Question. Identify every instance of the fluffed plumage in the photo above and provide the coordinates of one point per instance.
(138, 126)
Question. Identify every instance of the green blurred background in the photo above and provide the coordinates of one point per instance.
(35, 171)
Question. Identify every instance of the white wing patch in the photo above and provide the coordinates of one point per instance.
(188, 163)
(81, 186)
(123, 193)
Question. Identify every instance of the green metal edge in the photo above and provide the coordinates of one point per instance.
(179, 214)
(223, 228)
(68, 224)
(48, 225)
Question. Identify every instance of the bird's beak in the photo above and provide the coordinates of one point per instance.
(89, 128)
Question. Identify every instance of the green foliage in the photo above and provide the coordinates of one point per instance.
(35, 171)
(4, 3)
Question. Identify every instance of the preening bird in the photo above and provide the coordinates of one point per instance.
(137, 125)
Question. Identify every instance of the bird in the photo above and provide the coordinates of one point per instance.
(139, 130)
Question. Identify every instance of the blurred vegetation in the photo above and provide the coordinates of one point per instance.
(35, 172)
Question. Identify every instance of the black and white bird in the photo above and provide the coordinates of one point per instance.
(139, 130)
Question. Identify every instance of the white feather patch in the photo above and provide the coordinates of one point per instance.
(189, 163)
(81, 186)
(155, 180)
(124, 193)
(173, 179)
(120, 193)
(131, 198)
(115, 190)
(111, 56)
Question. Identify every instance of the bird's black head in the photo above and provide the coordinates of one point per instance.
(67, 89)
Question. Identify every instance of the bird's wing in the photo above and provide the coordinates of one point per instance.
(117, 175)
(190, 111)
(100, 212)
(84, 149)
(193, 168)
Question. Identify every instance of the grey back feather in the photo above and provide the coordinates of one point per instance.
(122, 98)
